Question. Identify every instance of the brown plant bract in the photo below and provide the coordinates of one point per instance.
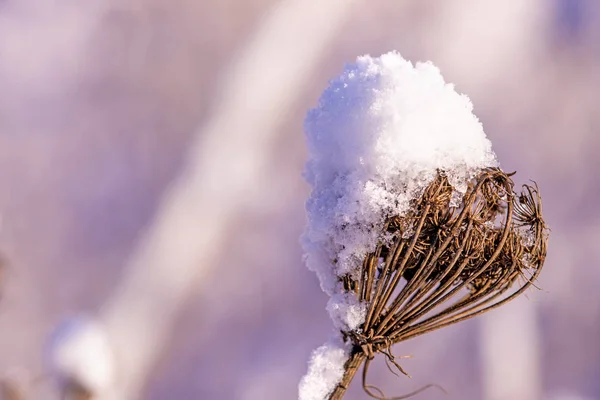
(444, 264)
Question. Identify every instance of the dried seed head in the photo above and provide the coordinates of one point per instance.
(411, 225)
(458, 260)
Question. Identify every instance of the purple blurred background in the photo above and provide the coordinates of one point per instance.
(99, 101)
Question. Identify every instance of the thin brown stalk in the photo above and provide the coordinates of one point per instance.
(350, 370)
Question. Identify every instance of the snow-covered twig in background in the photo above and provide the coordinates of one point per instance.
(80, 358)
(191, 224)
(406, 189)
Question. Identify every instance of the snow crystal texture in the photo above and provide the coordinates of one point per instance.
(376, 139)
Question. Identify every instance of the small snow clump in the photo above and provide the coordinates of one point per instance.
(326, 369)
(79, 353)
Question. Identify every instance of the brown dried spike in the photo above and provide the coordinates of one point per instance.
(456, 263)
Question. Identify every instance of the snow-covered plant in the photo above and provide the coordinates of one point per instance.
(412, 225)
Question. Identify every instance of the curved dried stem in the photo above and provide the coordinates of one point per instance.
(350, 369)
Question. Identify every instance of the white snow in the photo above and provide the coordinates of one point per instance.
(79, 352)
(376, 139)
(325, 371)
(346, 311)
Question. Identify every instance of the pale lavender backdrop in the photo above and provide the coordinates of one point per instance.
(98, 100)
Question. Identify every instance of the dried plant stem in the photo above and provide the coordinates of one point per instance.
(350, 369)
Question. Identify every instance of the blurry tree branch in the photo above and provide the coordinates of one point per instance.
(227, 156)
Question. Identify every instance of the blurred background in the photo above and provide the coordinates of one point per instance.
(103, 104)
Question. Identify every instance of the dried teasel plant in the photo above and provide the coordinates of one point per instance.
(444, 263)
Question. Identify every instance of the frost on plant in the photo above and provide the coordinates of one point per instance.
(375, 140)
(391, 144)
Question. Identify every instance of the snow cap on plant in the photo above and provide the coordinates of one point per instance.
(408, 209)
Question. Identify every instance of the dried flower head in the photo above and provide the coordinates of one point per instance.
(444, 264)
(412, 225)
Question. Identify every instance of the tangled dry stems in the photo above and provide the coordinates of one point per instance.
(445, 263)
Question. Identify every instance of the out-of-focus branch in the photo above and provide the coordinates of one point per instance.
(228, 155)
(510, 352)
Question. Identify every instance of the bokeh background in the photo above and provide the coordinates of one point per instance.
(100, 102)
